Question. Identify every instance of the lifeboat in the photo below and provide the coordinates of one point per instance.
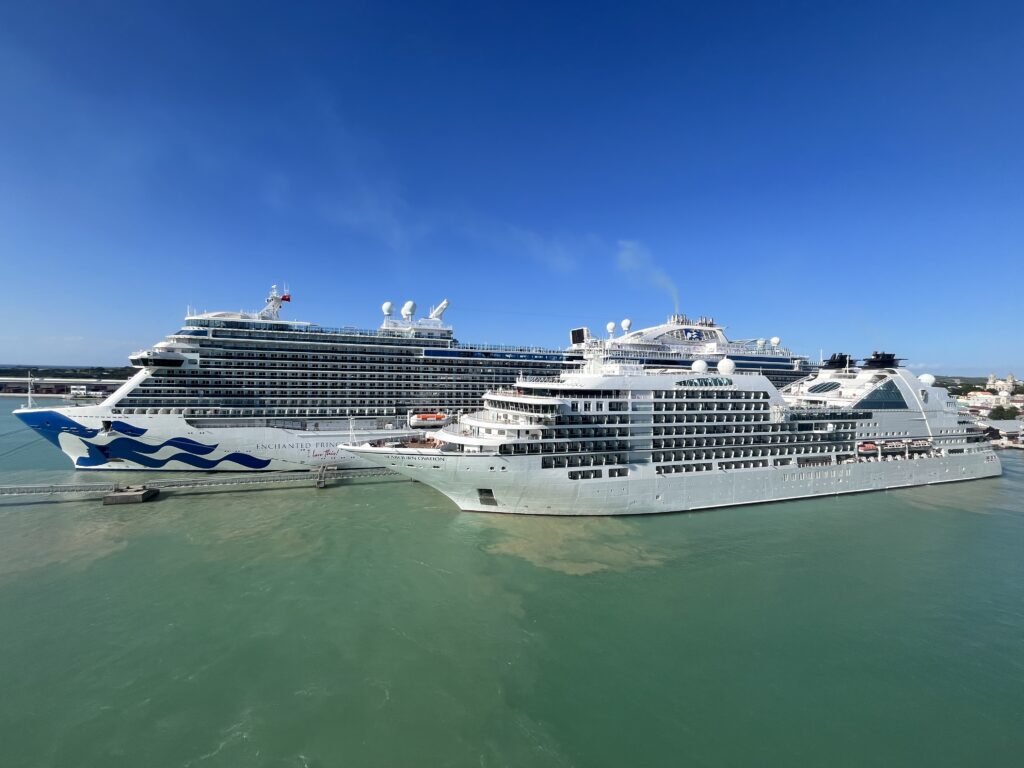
(920, 446)
(867, 449)
(429, 420)
(893, 447)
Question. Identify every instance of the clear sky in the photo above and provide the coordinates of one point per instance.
(847, 175)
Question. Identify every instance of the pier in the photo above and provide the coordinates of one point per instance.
(318, 478)
(133, 494)
(52, 386)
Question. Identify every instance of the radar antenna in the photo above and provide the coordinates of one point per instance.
(274, 301)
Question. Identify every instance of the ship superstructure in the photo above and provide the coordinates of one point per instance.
(252, 391)
(231, 368)
(681, 341)
(615, 438)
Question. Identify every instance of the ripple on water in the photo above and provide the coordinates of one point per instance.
(574, 546)
(378, 625)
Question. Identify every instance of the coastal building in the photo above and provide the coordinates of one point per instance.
(46, 386)
(980, 402)
(1001, 385)
(1004, 433)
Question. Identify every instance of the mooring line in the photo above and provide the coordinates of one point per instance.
(18, 448)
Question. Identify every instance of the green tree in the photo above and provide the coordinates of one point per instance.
(1001, 412)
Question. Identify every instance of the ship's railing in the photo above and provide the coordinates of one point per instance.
(695, 349)
(458, 428)
(442, 333)
(531, 380)
(308, 424)
(285, 326)
(521, 421)
(507, 348)
(445, 333)
(818, 412)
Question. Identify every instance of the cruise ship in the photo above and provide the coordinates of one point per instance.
(245, 391)
(614, 438)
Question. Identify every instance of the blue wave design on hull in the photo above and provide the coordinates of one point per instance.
(51, 425)
(137, 452)
(97, 459)
(200, 449)
(121, 447)
(127, 429)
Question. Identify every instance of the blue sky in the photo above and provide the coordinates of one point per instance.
(848, 176)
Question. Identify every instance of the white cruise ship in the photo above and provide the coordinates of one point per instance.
(614, 438)
(239, 391)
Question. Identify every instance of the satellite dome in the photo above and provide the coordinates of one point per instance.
(775, 341)
(699, 366)
(408, 310)
(610, 327)
(927, 379)
(387, 308)
(626, 325)
(726, 367)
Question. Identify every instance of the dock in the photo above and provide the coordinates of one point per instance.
(132, 494)
(127, 494)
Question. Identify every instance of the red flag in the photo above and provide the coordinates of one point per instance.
(286, 297)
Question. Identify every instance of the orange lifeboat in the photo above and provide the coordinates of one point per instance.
(429, 420)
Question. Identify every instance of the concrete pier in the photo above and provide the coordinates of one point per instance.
(132, 494)
(319, 478)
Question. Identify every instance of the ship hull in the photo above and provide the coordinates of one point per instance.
(515, 485)
(93, 440)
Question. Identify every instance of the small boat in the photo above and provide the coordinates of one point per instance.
(891, 447)
(920, 446)
(867, 449)
(429, 420)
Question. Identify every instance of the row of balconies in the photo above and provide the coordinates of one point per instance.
(718, 442)
(711, 418)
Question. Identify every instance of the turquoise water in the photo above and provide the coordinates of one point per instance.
(373, 624)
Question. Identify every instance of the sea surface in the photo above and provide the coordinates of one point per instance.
(373, 624)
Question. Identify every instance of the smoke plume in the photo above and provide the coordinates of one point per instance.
(638, 265)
